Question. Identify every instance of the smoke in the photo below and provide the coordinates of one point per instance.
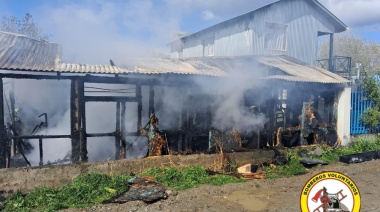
(229, 107)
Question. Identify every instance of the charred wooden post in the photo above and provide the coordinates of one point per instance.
(41, 152)
(209, 120)
(75, 115)
(83, 131)
(3, 145)
(123, 153)
(117, 135)
(180, 127)
(151, 100)
(139, 106)
(303, 123)
(188, 124)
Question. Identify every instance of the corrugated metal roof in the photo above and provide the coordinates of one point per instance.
(195, 66)
(22, 52)
(297, 70)
(286, 68)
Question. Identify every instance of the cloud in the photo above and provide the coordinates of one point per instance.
(96, 31)
(355, 13)
(207, 15)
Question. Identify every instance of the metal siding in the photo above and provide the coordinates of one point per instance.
(234, 40)
(303, 22)
(193, 48)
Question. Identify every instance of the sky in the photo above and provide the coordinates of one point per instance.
(94, 31)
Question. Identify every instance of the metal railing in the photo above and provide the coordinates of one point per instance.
(340, 65)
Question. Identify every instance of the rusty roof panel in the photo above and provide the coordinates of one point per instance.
(25, 53)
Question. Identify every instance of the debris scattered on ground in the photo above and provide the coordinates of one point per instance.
(247, 169)
(317, 151)
(360, 157)
(144, 189)
(248, 172)
(251, 176)
(279, 158)
(306, 161)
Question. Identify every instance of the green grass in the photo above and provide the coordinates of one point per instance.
(189, 177)
(85, 190)
(329, 154)
(291, 168)
(90, 189)
(362, 144)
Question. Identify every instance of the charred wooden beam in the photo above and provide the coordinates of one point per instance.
(75, 121)
(118, 133)
(91, 135)
(151, 100)
(3, 145)
(110, 99)
(83, 129)
(39, 136)
(139, 106)
(109, 134)
(41, 152)
(123, 131)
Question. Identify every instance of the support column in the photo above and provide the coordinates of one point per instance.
(123, 153)
(139, 106)
(331, 53)
(41, 152)
(2, 128)
(83, 129)
(151, 100)
(180, 127)
(117, 136)
(188, 124)
(75, 116)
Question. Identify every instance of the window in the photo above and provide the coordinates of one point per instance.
(209, 46)
(275, 36)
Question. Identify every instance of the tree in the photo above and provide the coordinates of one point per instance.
(351, 45)
(26, 26)
(371, 116)
(366, 53)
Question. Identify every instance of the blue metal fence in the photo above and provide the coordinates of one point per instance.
(358, 105)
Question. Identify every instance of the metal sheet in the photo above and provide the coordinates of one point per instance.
(25, 53)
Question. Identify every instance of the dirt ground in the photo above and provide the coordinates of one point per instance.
(259, 195)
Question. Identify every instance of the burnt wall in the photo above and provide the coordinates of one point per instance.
(53, 176)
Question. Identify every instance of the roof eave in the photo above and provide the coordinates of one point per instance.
(340, 26)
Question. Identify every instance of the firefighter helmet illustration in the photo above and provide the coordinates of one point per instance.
(330, 192)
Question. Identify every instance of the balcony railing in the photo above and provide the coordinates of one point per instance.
(340, 65)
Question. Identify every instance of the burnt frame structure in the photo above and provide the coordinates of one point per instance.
(78, 99)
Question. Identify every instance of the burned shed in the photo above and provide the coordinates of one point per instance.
(223, 92)
(23, 58)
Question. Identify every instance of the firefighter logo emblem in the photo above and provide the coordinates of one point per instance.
(330, 192)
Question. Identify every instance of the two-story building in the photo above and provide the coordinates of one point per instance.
(284, 37)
